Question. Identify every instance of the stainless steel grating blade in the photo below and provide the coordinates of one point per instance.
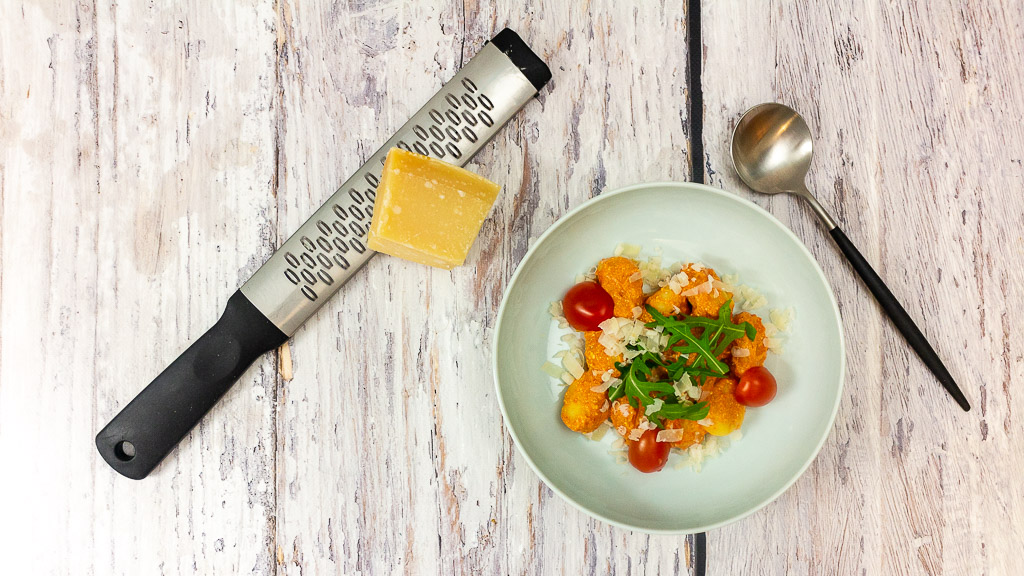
(331, 246)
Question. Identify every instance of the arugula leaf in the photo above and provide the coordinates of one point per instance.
(673, 409)
(703, 338)
(723, 323)
(635, 385)
(641, 392)
(698, 411)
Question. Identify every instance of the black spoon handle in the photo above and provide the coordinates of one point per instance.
(899, 317)
(149, 427)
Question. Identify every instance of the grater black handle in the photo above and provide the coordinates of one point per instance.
(152, 424)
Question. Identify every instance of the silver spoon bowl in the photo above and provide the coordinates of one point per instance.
(772, 150)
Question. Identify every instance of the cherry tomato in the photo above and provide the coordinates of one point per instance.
(757, 387)
(586, 305)
(647, 454)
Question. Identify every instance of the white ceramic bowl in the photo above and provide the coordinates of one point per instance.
(688, 222)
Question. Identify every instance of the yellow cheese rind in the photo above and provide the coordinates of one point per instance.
(428, 211)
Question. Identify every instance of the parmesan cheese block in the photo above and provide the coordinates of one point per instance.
(428, 211)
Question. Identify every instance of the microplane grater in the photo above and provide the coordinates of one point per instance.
(318, 258)
(325, 251)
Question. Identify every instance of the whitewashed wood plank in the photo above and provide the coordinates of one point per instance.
(394, 456)
(137, 168)
(599, 128)
(357, 491)
(741, 61)
(911, 106)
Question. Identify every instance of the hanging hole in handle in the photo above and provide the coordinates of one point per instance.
(124, 450)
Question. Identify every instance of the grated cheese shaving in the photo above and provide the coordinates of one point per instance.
(627, 250)
(695, 392)
(781, 318)
(572, 365)
(677, 282)
(551, 370)
(598, 434)
(691, 292)
(670, 435)
(683, 386)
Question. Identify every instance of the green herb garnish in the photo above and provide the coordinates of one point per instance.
(698, 411)
(706, 338)
(635, 385)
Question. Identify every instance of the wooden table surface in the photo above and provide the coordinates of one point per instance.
(154, 154)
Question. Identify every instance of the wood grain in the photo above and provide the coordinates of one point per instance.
(136, 191)
(395, 458)
(914, 107)
(152, 157)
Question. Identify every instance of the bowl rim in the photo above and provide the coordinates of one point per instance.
(702, 188)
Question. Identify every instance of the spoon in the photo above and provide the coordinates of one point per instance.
(771, 150)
